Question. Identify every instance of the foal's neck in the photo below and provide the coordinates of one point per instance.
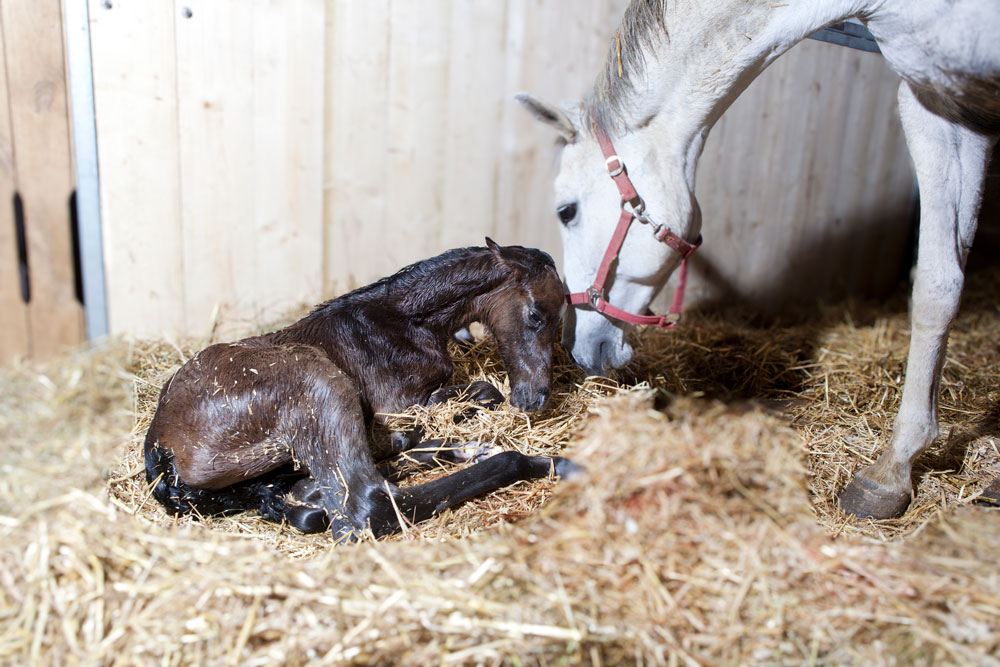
(441, 294)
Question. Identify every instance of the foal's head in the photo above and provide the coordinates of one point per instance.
(523, 314)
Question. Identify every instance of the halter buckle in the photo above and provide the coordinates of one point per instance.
(617, 169)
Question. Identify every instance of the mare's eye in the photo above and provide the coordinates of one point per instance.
(566, 213)
(535, 318)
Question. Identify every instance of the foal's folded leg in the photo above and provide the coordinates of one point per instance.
(330, 443)
(484, 394)
(434, 453)
(480, 391)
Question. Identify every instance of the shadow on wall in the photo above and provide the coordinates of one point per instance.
(869, 255)
(986, 249)
(866, 255)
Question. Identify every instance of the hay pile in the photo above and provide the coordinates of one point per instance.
(704, 531)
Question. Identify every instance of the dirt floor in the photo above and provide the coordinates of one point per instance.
(704, 531)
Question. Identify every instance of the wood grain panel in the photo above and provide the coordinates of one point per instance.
(215, 94)
(288, 155)
(419, 70)
(36, 83)
(394, 124)
(14, 334)
(356, 144)
(135, 101)
(471, 144)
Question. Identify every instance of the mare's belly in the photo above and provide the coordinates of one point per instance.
(948, 52)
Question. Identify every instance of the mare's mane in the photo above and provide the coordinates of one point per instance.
(641, 28)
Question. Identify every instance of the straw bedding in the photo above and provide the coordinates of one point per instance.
(704, 531)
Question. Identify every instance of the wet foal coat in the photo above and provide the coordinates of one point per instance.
(242, 424)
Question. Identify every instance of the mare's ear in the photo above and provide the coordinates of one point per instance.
(548, 114)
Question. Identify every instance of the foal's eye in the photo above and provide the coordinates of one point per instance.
(535, 318)
(566, 213)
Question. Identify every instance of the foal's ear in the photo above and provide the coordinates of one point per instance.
(497, 250)
(548, 114)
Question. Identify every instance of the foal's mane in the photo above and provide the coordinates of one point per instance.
(452, 275)
(642, 26)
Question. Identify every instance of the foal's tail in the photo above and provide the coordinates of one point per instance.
(265, 494)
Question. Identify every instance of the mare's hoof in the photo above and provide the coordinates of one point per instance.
(566, 469)
(867, 500)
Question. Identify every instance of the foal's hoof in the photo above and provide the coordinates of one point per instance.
(343, 532)
(566, 469)
(990, 495)
(308, 519)
(485, 394)
(867, 500)
(468, 452)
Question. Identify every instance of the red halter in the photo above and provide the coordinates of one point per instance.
(594, 295)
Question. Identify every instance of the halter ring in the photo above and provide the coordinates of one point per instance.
(594, 296)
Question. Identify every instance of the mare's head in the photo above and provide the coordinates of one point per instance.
(587, 207)
(523, 314)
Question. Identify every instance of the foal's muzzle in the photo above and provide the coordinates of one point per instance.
(529, 399)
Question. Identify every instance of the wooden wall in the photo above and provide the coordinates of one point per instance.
(36, 167)
(256, 155)
(426, 149)
(209, 125)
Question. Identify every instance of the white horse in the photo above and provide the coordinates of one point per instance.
(672, 70)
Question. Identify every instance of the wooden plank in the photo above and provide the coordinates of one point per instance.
(288, 154)
(418, 83)
(83, 129)
(557, 65)
(215, 93)
(135, 101)
(14, 333)
(475, 100)
(36, 80)
(355, 152)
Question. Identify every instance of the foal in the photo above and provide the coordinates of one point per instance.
(241, 425)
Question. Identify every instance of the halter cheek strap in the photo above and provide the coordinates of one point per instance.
(632, 208)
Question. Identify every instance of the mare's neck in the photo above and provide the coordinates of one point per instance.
(709, 54)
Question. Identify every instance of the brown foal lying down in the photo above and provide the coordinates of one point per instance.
(246, 425)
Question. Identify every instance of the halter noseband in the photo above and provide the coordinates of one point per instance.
(633, 208)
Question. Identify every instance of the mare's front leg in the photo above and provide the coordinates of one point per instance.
(950, 162)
